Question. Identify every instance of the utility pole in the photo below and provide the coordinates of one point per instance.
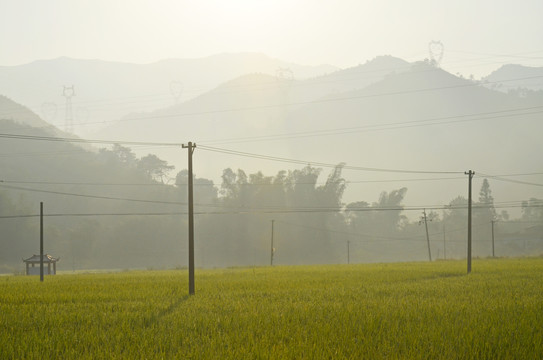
(470, 175)
(492, 222)
(348, 252)
(425, 219)
(272, 250)
(444, 245)
(191, 148)
(41, 241)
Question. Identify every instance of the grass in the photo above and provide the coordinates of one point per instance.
(382, 311)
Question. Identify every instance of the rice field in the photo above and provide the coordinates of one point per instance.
(378, 311)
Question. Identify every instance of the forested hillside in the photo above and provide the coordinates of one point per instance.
(106, 207)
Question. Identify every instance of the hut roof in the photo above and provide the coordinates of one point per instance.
(36, 259)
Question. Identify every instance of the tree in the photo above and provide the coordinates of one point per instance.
(301, 186)
(486, 202)
(16, 233)
(383, 216)
(124, 154)
(355, 215)
(390, 217)
(332, 192)
(154, 167)
(455, 219)
(532, 210)
(503, 216)
(205, 191)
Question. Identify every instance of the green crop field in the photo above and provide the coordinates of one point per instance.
(379, 311)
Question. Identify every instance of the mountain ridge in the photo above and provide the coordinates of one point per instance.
(106, 91)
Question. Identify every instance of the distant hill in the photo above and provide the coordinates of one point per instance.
(10, 110)
(19, 114)
(530, 78)
(246, 103)
(72, 182)
(404, 109)
(106, 90)
(424, 119)
(350, 79)
(409, 116)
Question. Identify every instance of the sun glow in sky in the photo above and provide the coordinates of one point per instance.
(343, 33)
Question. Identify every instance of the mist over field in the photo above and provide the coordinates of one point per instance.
(316, 142)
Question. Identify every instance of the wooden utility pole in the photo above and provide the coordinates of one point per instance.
(41, 241)
(272, 250)
(470, 175)
(425, 219)
(191, 148)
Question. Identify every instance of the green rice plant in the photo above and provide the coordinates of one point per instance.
(379, 311)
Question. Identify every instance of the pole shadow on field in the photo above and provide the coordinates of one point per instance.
(155, 318)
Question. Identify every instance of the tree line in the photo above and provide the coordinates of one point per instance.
(143, 223)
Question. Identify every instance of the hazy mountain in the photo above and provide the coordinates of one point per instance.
(10, 110)
(413, 117)
(252, 102)
(109, 90)
(71, 180)
(384, 114)
(530, 78)
(111, 213)
(424, 119)
(337, 82)
(19, 114)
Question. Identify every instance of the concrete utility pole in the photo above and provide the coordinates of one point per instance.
(272, 250)
(492, 222)
(348, 252)
(41, 241)
(470, 175)
(191, 148)
(444, 244)
(425, 219)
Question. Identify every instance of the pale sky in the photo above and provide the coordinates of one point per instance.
(476, 34)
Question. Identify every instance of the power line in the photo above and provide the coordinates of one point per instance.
(92, 196)
(239, 212)
(226, 151)
(382, 127)
(70, 152)
(515, 174)
(518, 55)
(389, 238)
(281, 209)
(499, 178)
(305, 162)
(94, 214)
(343, 232)
(218, 184)
(79, 183)
(383, 238)
(85, 141)
(337, 131)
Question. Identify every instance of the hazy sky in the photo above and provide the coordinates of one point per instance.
(475, 33)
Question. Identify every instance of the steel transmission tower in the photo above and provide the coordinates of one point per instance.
(436, 49)
(68, 92)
